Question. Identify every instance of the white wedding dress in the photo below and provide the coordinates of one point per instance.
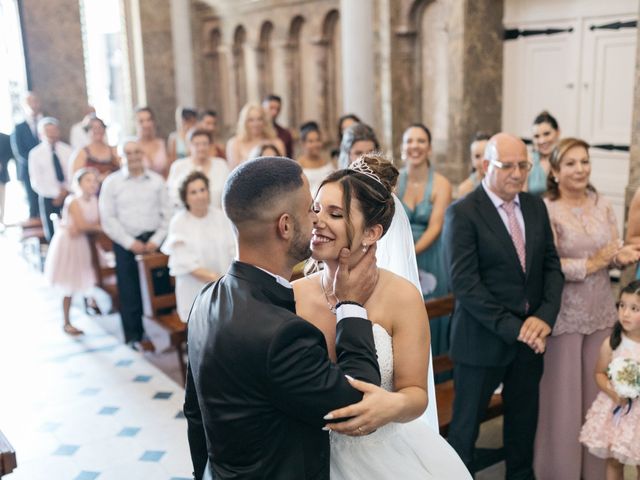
(407, 451)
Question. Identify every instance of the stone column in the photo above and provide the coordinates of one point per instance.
(479, 106)
(55, 58)
(358, 84)
(634, 151)
(149, 28)
(183, 59)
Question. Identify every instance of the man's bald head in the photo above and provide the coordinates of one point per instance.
(506, 165)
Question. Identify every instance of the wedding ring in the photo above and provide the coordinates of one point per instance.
(360, 431)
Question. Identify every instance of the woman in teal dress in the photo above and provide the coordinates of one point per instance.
(425, 195)
(546, 134)
(478, 144)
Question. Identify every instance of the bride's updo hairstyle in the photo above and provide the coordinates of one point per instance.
(370, 179)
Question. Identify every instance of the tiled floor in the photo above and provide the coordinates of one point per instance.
(83, 408)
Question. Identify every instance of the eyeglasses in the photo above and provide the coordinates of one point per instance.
(510, 167)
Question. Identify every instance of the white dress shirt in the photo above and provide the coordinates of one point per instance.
(42, 173)
(497, 202)
(131, 206)
(217, 174)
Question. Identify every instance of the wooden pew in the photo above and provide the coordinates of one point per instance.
(104, 266)
(159, 301)
(445, 391)
(7, 456)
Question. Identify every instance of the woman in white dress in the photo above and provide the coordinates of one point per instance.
(314, 164)
(200, 242)
(215, 168)
(355, 208)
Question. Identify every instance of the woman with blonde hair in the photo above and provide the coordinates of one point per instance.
(254, 128)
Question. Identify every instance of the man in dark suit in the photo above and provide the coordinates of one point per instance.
(23, 139)
(507, 281)
(5, 155)
(259, 380)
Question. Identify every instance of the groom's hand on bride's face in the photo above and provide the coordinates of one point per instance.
(356, 282)
(377, 408)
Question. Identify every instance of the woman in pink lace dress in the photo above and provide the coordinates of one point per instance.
(588, 243)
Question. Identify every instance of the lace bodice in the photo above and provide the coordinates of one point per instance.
(384, 349)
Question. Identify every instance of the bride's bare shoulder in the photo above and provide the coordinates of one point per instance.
(305, 284)
(399, 286)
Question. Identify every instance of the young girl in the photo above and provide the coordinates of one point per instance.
(68, 264)
(616, 438)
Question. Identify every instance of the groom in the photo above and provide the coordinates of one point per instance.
(259, 379)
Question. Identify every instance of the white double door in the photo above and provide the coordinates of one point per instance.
(584, 76)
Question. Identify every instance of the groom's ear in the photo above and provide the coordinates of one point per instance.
(285, 226)
(372, 234)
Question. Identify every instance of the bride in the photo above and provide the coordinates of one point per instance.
(355, 208)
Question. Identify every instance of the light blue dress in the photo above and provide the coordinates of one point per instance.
(434, 277)
(537, 180)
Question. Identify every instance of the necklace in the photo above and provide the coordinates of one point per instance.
(332, 307)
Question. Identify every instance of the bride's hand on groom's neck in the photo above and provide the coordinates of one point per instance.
(356, 283)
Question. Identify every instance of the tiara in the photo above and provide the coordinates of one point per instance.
(362, 167)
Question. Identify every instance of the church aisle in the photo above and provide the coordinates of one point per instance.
(80, 408)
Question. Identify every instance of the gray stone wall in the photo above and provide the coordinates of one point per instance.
(55, 59)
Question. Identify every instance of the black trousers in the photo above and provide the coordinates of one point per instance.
(46, 209)
(129, 291)
(474, 386)
(32, 197)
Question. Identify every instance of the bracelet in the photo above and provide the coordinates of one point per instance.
(347, 302)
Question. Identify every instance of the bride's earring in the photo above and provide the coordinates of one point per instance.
(364, 247)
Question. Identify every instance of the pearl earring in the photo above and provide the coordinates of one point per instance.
(364, 247)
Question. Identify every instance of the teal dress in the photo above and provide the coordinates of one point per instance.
(434, 277)
(537, 180)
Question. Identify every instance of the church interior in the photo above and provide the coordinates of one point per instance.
(83, 398)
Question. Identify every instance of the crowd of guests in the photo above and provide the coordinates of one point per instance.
(530, 272)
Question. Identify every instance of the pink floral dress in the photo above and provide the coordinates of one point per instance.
(609, 436)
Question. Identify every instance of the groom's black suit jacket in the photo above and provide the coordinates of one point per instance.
(260, 380)
(493, 295)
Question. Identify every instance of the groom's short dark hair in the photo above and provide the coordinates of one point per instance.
(253, 187)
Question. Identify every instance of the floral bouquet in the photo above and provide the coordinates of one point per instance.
(624, 375)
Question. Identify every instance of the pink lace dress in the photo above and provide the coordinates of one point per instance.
(68, 264)
(588, 304)
(609, 436)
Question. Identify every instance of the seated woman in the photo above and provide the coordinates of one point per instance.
(155, 150)
(546, 134)
(200, 242)
(254, 128)
(312, 159)
(264, 150)
(477, 155)
(97, 154)
(186, 119)
(208, 120)
(214, 168)
(344, 122)
(354, 209)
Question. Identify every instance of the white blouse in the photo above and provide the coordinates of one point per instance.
(217, 175)
(193, 243)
